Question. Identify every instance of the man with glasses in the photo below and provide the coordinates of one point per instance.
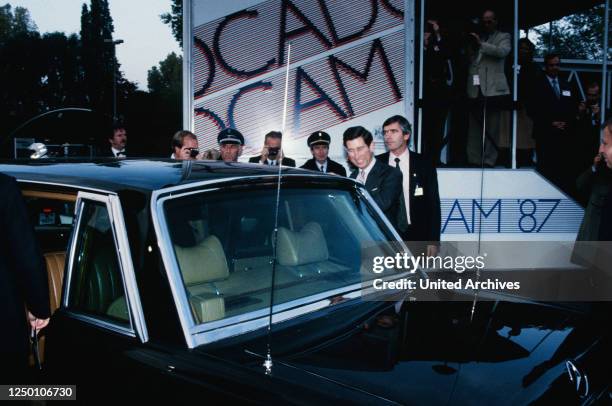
(553, 111)
(488, 91)
(383, 182)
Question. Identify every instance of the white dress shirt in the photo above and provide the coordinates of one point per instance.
(404, 165)
(322, 166)
(117, 151)
(364, 178)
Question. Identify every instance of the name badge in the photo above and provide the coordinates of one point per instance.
(476, 80)
(418, 191)
(566, 93)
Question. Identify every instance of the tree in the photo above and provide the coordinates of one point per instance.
(175, 20)
(99, 60)
(14, 23)
(578, 36)
(164, 113)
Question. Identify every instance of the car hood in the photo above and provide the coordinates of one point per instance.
(439, 352)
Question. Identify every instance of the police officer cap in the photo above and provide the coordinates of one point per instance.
(319, 137)
(230, 136)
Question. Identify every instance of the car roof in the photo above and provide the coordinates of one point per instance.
(139, 174)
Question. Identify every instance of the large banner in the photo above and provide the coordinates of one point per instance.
(346, 68)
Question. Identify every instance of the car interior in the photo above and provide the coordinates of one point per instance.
(224, 250)
(98, 288)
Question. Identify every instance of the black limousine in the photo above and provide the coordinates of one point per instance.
(179, 281)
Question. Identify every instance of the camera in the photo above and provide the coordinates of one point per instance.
(194, 152)
(273, 152)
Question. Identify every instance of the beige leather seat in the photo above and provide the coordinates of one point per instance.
(55, 262)
(201, 266)
(302, 247)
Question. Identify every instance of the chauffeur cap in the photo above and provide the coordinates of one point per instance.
(318, 138)
(230, 136)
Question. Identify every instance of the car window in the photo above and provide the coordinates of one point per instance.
(51, 215)
(96, 286)
(223, 242)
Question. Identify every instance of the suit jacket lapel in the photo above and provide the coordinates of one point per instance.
(374, 175)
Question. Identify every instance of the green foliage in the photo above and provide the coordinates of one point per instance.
(167, 78)
(579, 36)
(175, 20)
(15, 23)
(39, 73)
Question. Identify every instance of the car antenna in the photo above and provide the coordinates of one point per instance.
(268, 361)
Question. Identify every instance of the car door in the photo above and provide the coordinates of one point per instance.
(100, 319)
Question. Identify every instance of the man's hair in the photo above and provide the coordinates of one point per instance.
(179, 136)
(356, 132)
(274, 134)
(550, 56)
(115, 127)
(527, 42)
(402, 121)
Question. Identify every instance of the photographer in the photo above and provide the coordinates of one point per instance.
(588, 127)
(436, 90)
(185, 146)
(488, 91)
(272, 153)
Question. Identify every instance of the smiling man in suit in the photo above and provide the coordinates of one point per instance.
(419, 213)
(382, 182)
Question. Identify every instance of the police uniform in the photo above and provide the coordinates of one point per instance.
(322, 138)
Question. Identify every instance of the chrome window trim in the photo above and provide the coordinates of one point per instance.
(212, 335)
(135, 314)
(175, 280)
(127, 268)
(129, 332)
(346, 291)
(204, 333)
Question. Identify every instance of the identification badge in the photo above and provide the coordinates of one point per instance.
(418, 191)
(566, 93)
(476, 80)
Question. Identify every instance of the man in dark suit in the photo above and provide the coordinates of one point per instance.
(118, 142)
(319, 142)
(382, 182)
(419, 215)
(272, 152)
(553, 109)
(23, 283)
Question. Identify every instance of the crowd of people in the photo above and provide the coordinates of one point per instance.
(467, 82)
(403, 183)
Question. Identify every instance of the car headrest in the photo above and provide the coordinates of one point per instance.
(301, 247)
(202, 263)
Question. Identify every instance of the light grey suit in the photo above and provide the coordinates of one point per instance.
(488, 64)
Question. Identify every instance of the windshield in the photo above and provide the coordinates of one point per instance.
(223, 245)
